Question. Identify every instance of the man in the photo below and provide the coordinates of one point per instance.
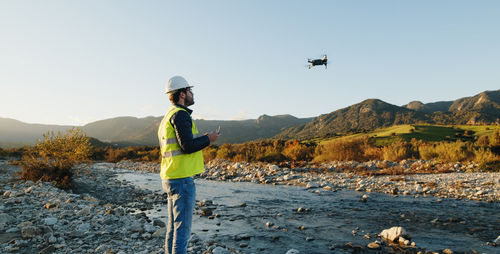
(182, 158)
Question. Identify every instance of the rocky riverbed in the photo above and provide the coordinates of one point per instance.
(459, 184)
(299, 210)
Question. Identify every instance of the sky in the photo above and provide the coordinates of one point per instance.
(75, 62)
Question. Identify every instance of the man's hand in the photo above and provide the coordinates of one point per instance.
(213, 136)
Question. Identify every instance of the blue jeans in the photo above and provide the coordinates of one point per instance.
(181, 200)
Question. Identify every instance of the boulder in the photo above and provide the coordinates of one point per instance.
(394, 233)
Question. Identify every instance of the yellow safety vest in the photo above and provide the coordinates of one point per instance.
(174, 162)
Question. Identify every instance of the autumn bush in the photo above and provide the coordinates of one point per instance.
(458, 151)
(53, 158)
(485, 151)
(210, 153)
(296, 151)
(487, 159)
(134, 153)
(343, 149)
(399, 150)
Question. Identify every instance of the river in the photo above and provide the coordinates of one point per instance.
(320, 221)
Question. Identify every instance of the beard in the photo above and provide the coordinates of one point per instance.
(189, 101)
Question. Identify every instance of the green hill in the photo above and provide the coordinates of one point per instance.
(431, 133)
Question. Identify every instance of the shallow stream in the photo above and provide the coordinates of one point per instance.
(330, 219)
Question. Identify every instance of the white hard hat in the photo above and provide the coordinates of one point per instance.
(176, 83)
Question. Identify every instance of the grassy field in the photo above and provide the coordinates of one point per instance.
(431, 133)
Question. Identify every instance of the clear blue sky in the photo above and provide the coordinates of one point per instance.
(74, 62)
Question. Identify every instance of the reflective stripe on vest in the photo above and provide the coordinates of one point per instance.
(169, 141)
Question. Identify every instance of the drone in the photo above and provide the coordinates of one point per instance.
(321, 61)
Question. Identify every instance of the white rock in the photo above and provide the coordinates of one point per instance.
(50, 221)
(160, 232)
(393, 233)
(292, 251)
(28, 190)
(497, 241)
(274, 167)
(311, 185)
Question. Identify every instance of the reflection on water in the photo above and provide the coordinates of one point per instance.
(334, 217)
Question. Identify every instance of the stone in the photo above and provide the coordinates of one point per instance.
(241, 237)
(497, 241)
(28, 190)
(364, 198)
(393, 233)
(149, 228)
(206, 211)
(136, 227)
(101, 248)
(50, 221)
(292, 251)
(77, 234)
(273, 168)
(447, 251)
(29, 231)
(48, 249)
(52, 239)
(49, 206)
(374, 246)
(12, 230)
(159, 223)
(312, 185)
(160, 233)
(83, 227)
(6, 219)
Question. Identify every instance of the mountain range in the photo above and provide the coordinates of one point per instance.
(483, 108)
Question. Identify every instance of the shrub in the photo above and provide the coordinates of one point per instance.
(273, 157)
(225, 152)
(342, 150)
(448, 151)
(53, 158)
(398, 150)
(495, 138)
(296, 151)
(210, 153)
(483, 141)
(427, 151)
(487, 159)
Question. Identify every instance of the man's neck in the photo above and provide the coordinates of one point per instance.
(181, 103)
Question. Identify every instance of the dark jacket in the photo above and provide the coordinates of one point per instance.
(182, 123)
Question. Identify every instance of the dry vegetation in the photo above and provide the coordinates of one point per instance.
(53, 158)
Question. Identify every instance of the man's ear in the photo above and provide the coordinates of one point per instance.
(182, 95)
